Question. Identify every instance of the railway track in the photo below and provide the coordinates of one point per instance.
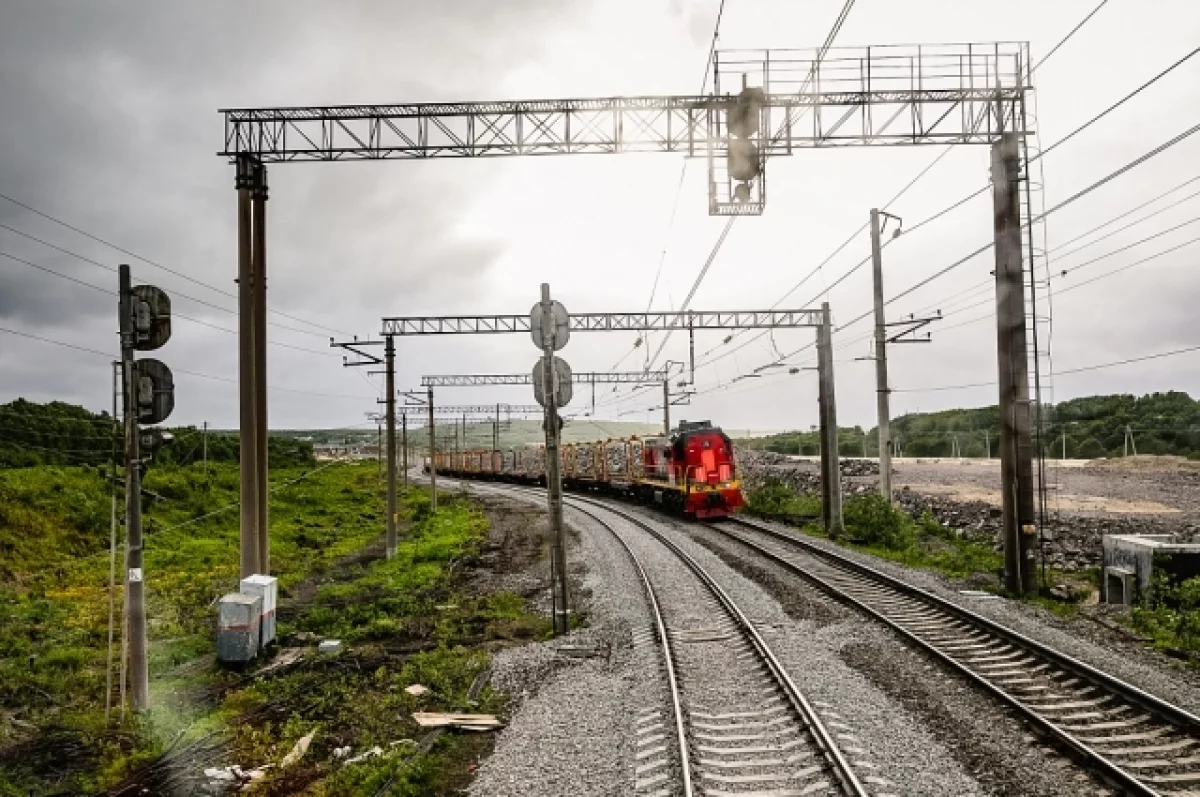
(757, 735)
(1136, 741)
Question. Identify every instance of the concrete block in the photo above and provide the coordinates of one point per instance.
(238, 627)
(330, 646)
(1130, 561)
(267, 588)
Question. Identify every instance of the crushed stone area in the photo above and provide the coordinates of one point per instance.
(574, 699)
(989, 744)
(1093, 644)
(900, 750)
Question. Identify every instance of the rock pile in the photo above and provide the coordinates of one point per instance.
(1072, 541)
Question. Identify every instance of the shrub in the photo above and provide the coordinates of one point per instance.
(874, 521)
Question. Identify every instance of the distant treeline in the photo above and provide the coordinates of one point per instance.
(1093, 426)
(65, 434)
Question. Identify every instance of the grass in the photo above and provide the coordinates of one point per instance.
(406, 620)
(1169, 614)
(875, 527)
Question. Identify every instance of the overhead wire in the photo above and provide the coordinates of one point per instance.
(821, 52)
(150, 262)
(199, 374)
(174, 314)
(953, 206)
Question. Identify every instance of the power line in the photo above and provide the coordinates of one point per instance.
(175, 314)
(678, 192)
(1097, 367)
(1067, 38)
(909, 231)
(147, 261)
(180, 370)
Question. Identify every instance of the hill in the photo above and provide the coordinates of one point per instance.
(1093, 426)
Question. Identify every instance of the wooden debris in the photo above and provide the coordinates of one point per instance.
(466, 722)
(299, 750)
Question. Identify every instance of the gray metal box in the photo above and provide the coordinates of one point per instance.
(239, 620)
(267, 588)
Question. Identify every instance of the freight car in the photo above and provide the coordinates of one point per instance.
(691, 472)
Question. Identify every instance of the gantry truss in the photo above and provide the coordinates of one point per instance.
(595, 322)
(489, 410)
(854, 96)
(595, 378)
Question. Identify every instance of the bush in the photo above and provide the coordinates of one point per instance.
(872, 520)
(774, 498)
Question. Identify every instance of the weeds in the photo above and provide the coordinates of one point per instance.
(406, 620)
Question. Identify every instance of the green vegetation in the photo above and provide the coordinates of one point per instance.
(874, 526)
(405, 620)
(773, 498)
(1169, 614)
(64, 434)
(1161, 423)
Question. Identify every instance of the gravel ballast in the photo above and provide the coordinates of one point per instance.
(900, 752)
(572, 729)
(1126, 660)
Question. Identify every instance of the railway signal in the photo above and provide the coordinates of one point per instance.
(550, 328)
(144, 319)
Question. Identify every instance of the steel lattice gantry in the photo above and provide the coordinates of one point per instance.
(852, 96)
(765, 103)
(596, 378)
(905, 94)
(471, 409)
(607, 322)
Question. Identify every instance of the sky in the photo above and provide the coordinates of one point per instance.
(111, 126)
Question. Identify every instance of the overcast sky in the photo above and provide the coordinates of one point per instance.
(110, 123)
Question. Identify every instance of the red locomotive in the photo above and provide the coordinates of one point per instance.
(692, 471)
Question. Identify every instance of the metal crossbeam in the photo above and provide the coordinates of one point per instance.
(915, 94)
(591, 322)
(595, 378)
(470, 409)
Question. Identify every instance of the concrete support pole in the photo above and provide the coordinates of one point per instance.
(1016, 465)
(831, 479)
(258, 195)
(404, 448)
(554, 474)
(666, 407)
(496, 435)
(247, 450)
(389, 359)
(882, 391)
(432, 453)
(135, 585)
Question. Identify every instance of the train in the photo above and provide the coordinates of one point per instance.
(690, 472)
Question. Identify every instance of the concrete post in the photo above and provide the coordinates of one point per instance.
(432, 453)
(1016, 466)
(404, 448)
(666, 407)
(258, 196)
(831, 482)
(135, 595)
(389, 359)
(882, 410)
(553, 473)
(247, 448)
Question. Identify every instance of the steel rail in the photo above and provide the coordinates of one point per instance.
(685, 762)
(1182, 719)
(808, 715)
